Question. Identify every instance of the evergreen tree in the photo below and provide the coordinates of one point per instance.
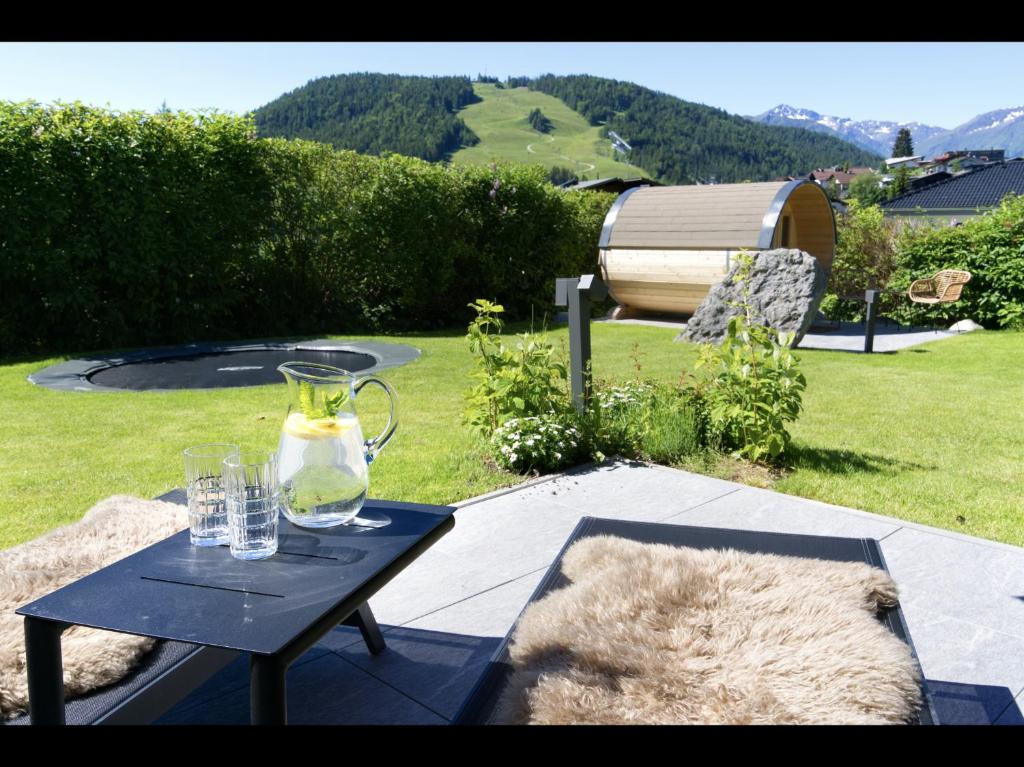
(539, 121)
(904, 146)
(560, 175)
(900, 183)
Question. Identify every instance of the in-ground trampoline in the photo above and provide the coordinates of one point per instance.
(214, 366)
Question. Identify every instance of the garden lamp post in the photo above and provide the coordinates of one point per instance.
(577, 293)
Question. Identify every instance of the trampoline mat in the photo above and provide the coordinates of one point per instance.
(214, 370)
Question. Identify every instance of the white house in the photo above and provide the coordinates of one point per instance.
(904, 162)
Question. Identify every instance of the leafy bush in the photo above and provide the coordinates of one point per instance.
(648, 420)
(990, 247)
(865, 251)
(521, 382)
(752, 385)
(543, 443)
(122, 229)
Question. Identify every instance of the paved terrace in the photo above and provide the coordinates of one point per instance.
(890, 336)
(445, 615)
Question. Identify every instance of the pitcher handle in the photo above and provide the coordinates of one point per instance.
(375, 445)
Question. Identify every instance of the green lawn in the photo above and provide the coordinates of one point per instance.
(933, 434)
(500, 122)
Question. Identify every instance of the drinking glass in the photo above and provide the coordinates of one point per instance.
(251, 497)
(207, 517)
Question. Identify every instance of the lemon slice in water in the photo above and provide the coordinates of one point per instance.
(301, 427)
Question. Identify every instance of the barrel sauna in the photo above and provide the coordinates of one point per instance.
(662, 248)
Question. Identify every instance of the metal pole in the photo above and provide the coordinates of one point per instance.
(576, 293)
(870, 299)
(579, 348)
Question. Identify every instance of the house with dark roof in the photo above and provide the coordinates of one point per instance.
(616, 185)
(962, 196)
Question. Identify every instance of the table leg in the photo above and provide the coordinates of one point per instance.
(363, 620)
(267, 698)
(45, 670)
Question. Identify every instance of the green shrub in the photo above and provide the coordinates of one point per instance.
(512, 382)
(122, 229)
(648, 420)
(543, 443)
(865, 250)
(752, 385)
(990, 247)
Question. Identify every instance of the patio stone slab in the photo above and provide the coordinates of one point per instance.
(889, 337)
(965, 580)
(957, 703)
(492, 543)
(1014, 714)
(630, 490)
(434, 668)
(327, 690)
(953, 650)
(235, 676)
(753, 509)
(491, 613)
(437, 659)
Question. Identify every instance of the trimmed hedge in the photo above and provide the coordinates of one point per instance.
(125, 229)
(990, 247)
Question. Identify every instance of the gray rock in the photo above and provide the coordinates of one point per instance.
(786, 287)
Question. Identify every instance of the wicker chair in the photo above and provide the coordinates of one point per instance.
(944, 287)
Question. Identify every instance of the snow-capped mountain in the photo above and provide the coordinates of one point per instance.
(874, 135)
(1000, 129)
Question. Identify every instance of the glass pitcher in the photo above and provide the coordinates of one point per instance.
(322, 458)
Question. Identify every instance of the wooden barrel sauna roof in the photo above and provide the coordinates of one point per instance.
(723, 216)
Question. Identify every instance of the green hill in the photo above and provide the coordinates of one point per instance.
(500, 119)
(374, 113)
(450, 118)
(681, 142)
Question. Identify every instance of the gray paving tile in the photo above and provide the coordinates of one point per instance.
(1014, 713)
(957, 703)
(627, 490)
(491, 613)
(957, 651)
(328, 690)
(962, 579)
(754, 509)
(235, 676)
(437, 659)
(492, 543)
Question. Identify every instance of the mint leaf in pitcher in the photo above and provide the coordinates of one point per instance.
(334, 403)
(307, 402)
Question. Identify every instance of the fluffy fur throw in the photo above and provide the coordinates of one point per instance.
(654, 634)
(110, 530)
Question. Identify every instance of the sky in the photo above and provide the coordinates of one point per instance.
(943, 84)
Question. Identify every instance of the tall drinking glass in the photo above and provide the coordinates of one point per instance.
(207, 517)
(250, 484)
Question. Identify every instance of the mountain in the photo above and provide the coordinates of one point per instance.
(875, 136)
(674, 141)
(680, 142)
(999, 129)
(374, 113)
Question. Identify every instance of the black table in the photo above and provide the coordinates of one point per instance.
(274, 609)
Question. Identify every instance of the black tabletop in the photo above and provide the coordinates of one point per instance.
(174, 590)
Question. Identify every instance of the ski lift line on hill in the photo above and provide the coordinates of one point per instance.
(618, 140)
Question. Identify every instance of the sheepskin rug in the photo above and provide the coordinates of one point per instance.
(656, 634)
(109, 531)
